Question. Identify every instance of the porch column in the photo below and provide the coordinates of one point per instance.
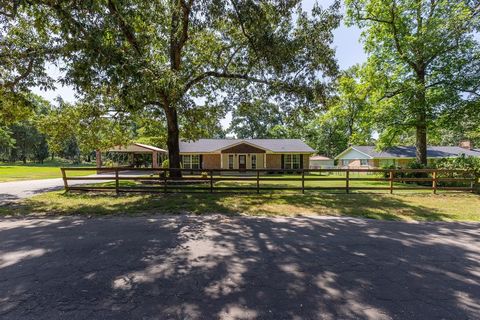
(98, 158)
(154, 159)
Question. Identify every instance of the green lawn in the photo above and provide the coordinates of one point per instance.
(404, 207)
(31, 171)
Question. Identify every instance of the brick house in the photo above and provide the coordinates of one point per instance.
(369, 157)
(244, 154)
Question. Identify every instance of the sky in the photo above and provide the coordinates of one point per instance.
(349, 51)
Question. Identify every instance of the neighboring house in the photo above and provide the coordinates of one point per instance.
(369, 157)
(321, 162)
(243, 154)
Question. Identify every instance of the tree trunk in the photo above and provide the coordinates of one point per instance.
(421, 124)
(173, 142)
(421, 140)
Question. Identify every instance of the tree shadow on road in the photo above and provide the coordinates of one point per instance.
(236, 268)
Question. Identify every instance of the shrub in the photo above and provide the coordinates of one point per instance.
(165, 164)
(471, 164)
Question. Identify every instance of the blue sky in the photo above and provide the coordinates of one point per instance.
(349, 51)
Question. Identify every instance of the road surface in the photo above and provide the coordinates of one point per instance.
(217, 267)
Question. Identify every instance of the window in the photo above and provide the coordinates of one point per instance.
(292, 161)
(364, 162)
(191, 161)
(195, 161)
(253, 159)
(345, 162)
(230, 161)
(186, 162)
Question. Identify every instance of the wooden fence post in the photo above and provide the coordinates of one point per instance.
(65, 182)
(347, 182)
(211, 181)
(258, 182)
(391, 181)
(117, 183)
(303, 181)
(434, 182)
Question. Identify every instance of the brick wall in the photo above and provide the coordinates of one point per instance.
(274, 161)
(211, 161)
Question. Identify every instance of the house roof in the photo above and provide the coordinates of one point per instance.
(320, 158)
(273, 145)
(409, 152)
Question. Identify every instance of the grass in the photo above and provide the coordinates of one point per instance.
(401, 207)
(32, 171)
(288, 182)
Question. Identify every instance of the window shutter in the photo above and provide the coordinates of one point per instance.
(201, 161)
(283, 161)
(301, 161)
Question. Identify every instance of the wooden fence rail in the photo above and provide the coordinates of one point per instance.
(159, 180)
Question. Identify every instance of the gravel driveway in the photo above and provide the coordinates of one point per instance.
(217, 267)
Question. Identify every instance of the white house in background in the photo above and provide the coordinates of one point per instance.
(321, 162)
(369, 157)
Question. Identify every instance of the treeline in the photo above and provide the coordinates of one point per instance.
(23, 138)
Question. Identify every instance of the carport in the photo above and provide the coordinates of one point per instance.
(136, 154)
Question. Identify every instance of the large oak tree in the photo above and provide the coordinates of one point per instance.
(132, 55)
(423, 60)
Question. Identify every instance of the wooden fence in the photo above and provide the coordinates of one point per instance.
(193, 180)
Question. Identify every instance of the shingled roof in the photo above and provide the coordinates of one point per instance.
(409, 152)
(273, 145)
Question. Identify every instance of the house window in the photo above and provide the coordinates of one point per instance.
(345, 162)
(292, 161)
(253, 159)
(364, 162)
(191, 161)
(230, 161)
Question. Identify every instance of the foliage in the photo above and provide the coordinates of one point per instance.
(347, 119)
(423, 62)
(20, 138)
(136, 55)
(84, 125)
(255, 119)
(463, 162)
(165, 164)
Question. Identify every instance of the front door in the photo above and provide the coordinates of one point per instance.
(242, 162)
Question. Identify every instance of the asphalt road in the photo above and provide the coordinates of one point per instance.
(217, 267)
(15, 190)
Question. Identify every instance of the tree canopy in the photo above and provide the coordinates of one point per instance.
(423, 61)
(132, 55)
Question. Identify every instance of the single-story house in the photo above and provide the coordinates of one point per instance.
(369, 157)
(243, 154)
(321, 162)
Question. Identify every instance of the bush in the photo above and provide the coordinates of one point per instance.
(467, 163)
(165, 164)
(406, 175)
(471, 164)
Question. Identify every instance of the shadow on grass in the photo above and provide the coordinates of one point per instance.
(366, 205)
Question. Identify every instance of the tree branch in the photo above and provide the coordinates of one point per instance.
(126, 29)
(22, 76)
(216, 74)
